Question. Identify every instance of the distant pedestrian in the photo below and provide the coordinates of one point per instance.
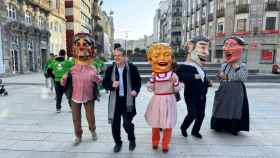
(48, 78)
(123, 81)
(56, 70)
(231, 106)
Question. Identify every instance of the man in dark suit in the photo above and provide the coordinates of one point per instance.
(123, 81)
(193, 76)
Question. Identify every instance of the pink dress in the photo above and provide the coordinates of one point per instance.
(162, 111)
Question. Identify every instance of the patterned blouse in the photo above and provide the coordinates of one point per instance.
(239, 74)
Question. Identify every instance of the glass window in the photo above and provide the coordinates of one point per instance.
(270, 23)
(28, 17)
(241, 25)
(12, 11)
(203, 12)
(220, 27)
(211, 9)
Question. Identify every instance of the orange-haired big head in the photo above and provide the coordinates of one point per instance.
(160, 57)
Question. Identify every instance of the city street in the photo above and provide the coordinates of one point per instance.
(30, 127)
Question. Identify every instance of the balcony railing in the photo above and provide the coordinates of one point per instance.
(220, 34)
(204, 2)
(210, 17)
(242, 8)
(44, 4)
(272, 6)
(178, 4)
(177, 14)
(270, 31)
(220, 13)
(241, 33)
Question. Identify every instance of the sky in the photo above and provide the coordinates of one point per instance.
(132, 17)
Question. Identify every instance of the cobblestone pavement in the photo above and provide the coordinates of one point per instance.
(30, 128)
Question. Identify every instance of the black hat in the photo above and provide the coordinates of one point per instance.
(199, 38)
(239, 40)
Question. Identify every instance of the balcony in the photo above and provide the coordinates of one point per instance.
(270, 31)
(242, 8)
(177, 4)
(203, 21)
(220, 12)
(241, 33)
(272, 6)
(204, 2)
(43, 4)
(176, 14)
(220, 34)
(177, 24)
(210, 17)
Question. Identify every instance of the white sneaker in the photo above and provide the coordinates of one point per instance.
(77, 141)
(94, 135)
(58, 110)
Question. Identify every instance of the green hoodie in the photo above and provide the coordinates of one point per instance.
(60, 67)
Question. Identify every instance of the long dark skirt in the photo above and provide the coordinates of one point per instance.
(234, 125)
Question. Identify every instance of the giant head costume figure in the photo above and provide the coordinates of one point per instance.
(198, 49)
(83, 47)
(233, 49)
(160, 57)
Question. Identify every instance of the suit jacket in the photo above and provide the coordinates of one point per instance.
(134, 76)
(195, 90)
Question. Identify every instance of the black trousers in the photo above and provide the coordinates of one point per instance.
(120, 111)
(59, 93)
(195, 113)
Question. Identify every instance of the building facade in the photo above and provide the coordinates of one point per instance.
(25, 35)
(57, 26)
(78, 15)
(257, 21)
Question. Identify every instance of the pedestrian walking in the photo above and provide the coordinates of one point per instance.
(56, 70)
(123, 81)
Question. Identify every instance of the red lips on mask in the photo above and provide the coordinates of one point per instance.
(232, 51)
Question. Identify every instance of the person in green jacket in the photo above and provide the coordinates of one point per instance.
(48, 78)
(56, 70)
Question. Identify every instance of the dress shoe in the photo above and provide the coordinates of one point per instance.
(132, 145)
(184, 132)
(165, 151)
(197, 135)
(117, 148)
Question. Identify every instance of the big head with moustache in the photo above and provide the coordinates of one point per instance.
(198, 49)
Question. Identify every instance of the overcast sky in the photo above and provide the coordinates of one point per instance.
(132, 16)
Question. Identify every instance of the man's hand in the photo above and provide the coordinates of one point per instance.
(116, 84)
(197, 76)
(174, 80)
(133, 93)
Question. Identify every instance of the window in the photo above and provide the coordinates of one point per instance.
(211, 9)
(203, 12)
(198, 16)
(270, 23)
(220, 27)
(56, 27)
(240, 2)
(12, 12)
(28, 17)
(241, 25)
(41, 21)
(267, 56)
(219, 54)
(220, 4)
